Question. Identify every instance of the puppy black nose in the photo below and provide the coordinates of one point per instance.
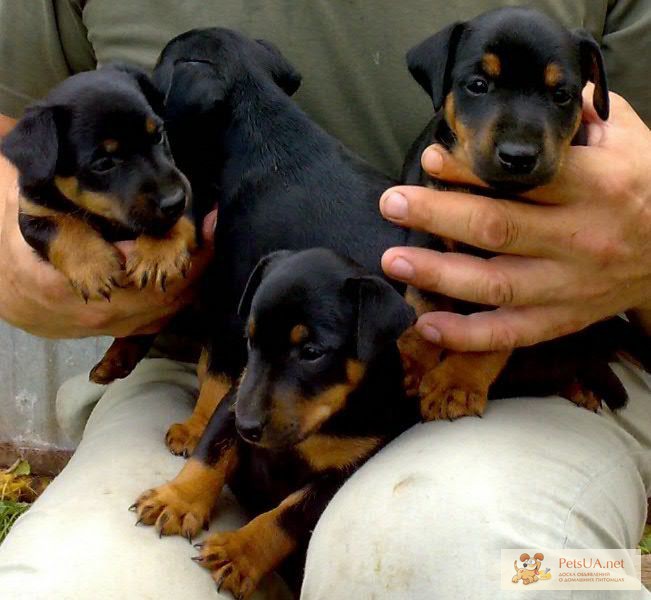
(519, 159)
(251, 431)
(173, 203)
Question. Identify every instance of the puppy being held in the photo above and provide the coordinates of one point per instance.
(506, 87)
(321, 393)
(94, 167)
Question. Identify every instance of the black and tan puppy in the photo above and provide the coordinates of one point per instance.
(506, 87)
(282, 183)
(321, 393)
(94, 167)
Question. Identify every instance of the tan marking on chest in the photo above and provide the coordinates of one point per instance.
(324, 452)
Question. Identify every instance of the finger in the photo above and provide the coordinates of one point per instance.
(440, 164)
(499, 329)
(499, 281)
(209, 226)
(502, 226)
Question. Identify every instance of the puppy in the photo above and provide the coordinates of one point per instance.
(282, 183)
(321, 393)
(94, 167)
(530, 570)
(506, 87)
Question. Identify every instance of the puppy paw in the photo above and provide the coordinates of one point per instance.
(105, 371)
(442, 398)
(234, 562)
(582, 397)
(182, 438)
(161, 261)
(96, 277)
(172, 511)
(418, 358)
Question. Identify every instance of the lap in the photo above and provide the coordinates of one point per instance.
(533, 473)
(78, 541)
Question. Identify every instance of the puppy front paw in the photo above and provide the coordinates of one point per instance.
(172, 511)
(95, 276)
(441, 403)
(234, 562)
(161, 261)
(445, 398)
(182, 438)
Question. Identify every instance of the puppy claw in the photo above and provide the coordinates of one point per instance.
(133, 507)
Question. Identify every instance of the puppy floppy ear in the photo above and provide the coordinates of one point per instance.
(144, 82)
(255, 279)
(539, 556)
(593, 69)
(431, 62)
(382, 314)
(284, 74)
(524, 557)
(190, 87)
(33, 146)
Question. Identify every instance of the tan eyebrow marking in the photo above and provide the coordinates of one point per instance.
(150, 125)
(553, 75)
(491, 64)
(298, 334)
(110, 145)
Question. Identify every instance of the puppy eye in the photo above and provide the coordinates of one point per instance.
(310, 353)
(561, 97)
(104, 164)
(477, 86)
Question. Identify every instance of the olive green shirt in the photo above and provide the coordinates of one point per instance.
(350, 52)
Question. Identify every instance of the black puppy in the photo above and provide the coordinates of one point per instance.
(282, 183)
(321, 393)
(506, 87)
(94, 167)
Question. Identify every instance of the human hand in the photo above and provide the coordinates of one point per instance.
(580, 251)
(34, 296)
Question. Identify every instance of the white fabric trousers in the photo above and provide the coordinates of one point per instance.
(424, 519)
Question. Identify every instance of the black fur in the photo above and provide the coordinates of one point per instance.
(281, 181)
(312, 287)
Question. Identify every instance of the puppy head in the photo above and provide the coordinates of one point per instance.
(509, 83)
(98, 139)
(531, 563)
(316, 322)
(197, 70)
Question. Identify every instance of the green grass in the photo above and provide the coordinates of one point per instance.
(9, 512)
(645, 544)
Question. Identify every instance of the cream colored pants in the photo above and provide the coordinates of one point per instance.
(425, 519)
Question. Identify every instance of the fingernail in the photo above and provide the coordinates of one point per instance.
(431, 334)
(401, 268)
(432, 160)
(395, 206)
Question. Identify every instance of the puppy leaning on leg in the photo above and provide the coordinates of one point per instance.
(94, 167)
(321, 393)
(282, 183)
(506, 87)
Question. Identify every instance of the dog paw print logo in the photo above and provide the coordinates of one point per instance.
(530, 570)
